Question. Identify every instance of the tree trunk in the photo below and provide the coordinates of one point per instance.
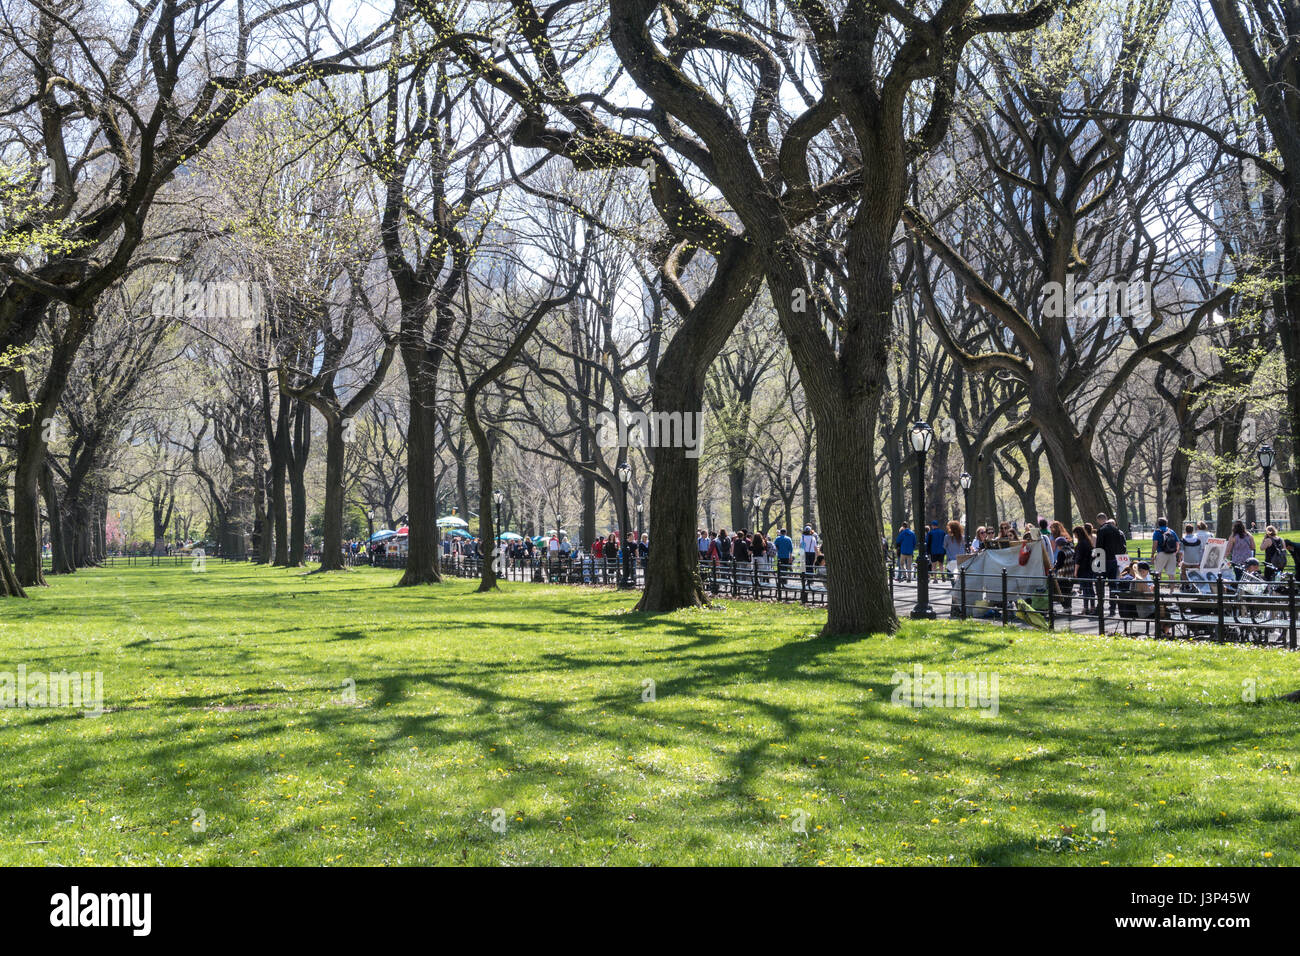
(1066, 448)
(331, 552)
(672, 577)
(1062, 509)
(61, 560)
(858, 598)
(297, 469)
(27, 506)
(9, 586)
(422, 560)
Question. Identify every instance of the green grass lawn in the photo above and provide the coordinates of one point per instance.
(226, 694)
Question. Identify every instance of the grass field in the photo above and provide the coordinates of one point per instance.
(230, 704)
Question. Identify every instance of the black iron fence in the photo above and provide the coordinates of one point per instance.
(1237, 606)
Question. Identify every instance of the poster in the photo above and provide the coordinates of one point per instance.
(1216, 550)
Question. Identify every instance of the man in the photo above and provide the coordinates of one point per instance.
(1111, 542)
(905, 542)
(702, 544)
(1192, 546)
(934, 548)
(784, 550)
(1164, 551)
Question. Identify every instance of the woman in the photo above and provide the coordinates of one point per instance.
(758, 547)
(1083, 545)
(1241, 547)
(954, 545)
(1063, 563)
(1274, 553)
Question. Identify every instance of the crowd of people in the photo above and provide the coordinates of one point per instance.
(743, 547)
(1073, 553)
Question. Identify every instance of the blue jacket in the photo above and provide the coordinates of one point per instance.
(906, 541)
(784, 546)
(935, 538)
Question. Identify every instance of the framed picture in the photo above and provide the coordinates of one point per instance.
(1216, 550)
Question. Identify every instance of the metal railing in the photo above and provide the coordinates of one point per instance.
(1241, 607)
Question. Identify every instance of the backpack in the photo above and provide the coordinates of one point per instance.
(1168, 542)
(1276, 554)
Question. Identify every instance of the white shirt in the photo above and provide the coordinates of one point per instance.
(808, 542)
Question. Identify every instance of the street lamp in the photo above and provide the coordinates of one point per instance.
(370, 517)
(498, 497)
(624, 473)
(965, 480)
(1266, 459)
(640, 530)
(757, 504)
(922, 436)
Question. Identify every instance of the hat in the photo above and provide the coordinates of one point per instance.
(1252, 560)
(934, 524)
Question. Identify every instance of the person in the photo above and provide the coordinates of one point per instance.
(784, 550)
(977, 545)
(1083, 565)
(740, 547)
(1274, 553)
(1241, 547)
(808, 545)
(1202, 532)
(905, 543)
(1062, 561)
(954, 545)
(702, 544)
(1111, 541)
(1006, 535)
(1165, 548)
(1192, 546)
(934, 548)
(758, 547)
(1143, 588)
(1055, 532)
(724, 545)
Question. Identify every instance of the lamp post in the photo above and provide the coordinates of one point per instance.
(922, 436)
(370, 519)
(757, 504)
(1266, 459)
(640, 530)
(624, 473)
(498, 497)
(965, 480)
(789, 501)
